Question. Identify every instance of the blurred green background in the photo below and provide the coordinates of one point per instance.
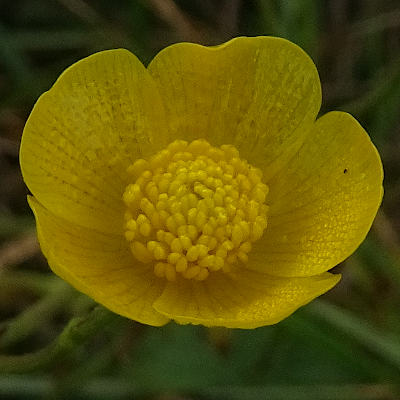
(346, 345)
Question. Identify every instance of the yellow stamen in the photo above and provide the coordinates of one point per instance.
(194, 209)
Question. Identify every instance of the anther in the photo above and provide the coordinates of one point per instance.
(194, 209)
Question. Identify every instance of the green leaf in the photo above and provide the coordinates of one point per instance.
(381, 344)
(176, 357)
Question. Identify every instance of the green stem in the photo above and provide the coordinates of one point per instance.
(36, 315)
(77, 332)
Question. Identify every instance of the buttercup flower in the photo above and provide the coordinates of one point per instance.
(202, 189)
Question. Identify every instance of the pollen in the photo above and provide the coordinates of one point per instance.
(194, 209)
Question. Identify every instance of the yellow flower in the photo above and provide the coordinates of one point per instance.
(201, 189)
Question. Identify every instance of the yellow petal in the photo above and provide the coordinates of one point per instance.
(323, 203)
(101, 114)
(99, 265)
(240, 300)
(260, 94)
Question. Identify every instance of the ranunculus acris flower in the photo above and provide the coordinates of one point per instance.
(201, 189)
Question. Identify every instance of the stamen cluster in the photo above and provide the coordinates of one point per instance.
(194, 209)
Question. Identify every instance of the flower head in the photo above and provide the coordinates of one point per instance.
(201, 189)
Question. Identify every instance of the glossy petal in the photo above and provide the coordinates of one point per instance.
(99, 265)
(240, 300)
(101, 114)
(260, 94)
(323, 203)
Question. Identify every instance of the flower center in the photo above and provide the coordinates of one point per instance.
(194, 209)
